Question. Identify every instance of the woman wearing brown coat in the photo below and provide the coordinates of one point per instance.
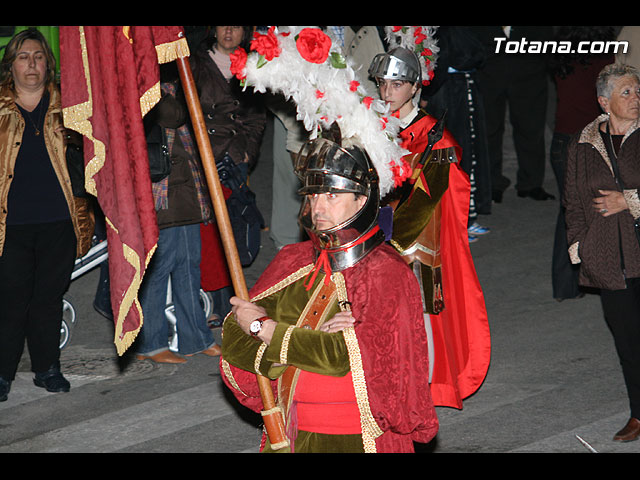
(43, 227)
(601, 208)
(235, 120)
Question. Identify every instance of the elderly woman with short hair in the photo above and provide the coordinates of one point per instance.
(602, 205)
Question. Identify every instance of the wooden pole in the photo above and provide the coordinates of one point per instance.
(272, 414)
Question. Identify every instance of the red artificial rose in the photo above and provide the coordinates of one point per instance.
(400, 172)
(313, 45)
(353, 86)
(426, 82)
(419, 36)
(367, 101)
(238, 61)
(267, 44)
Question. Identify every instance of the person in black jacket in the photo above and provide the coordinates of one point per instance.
(519, 81)
(454, 90)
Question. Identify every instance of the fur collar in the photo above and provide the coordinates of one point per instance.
(591, 135)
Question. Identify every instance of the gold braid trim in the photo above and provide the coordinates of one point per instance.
(397, 246)
(284, 282)
(258, 359)
(149, 98)
(271, 411)
(168, 52)
(76, 117)
(226, 369)
(370, 429)
(284, 351)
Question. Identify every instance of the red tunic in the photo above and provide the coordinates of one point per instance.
(326, 404)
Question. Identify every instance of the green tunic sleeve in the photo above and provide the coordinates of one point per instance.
(413, 215)
(310, 350)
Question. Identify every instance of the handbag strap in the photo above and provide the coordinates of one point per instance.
(613, 158)
(616, 173)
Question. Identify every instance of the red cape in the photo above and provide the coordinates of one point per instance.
(462, 341)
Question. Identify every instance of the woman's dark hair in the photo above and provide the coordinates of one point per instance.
(562, 64)
(11, 52)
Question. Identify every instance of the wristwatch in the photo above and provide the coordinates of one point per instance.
(256, 326)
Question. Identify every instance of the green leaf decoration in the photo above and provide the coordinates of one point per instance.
(337, 60)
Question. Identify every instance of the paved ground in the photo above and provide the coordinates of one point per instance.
(553, 374)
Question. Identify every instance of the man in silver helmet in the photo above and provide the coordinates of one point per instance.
(346, 349)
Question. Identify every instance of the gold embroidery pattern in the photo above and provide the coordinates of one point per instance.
(370, 429)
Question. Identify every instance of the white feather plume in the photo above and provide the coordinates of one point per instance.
(330, 92)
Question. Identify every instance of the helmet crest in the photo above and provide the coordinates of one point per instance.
(306, 65)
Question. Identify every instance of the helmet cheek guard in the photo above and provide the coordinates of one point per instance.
(324, 166)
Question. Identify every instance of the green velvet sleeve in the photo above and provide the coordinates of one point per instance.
(240, 349)
(310, 350)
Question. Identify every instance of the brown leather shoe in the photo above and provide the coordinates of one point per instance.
(630, 432)
(166, 356)
(213, 351)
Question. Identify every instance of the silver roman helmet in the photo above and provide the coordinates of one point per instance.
(324, 166)
(397, 64)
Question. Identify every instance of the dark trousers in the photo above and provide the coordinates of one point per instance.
(622, 313)
(35, 271)
(524, 91)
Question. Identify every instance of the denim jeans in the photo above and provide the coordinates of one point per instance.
(177, 257)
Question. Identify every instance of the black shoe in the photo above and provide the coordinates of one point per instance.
(537, 193)
(499, 186)
(52, 380)
(5, 386)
